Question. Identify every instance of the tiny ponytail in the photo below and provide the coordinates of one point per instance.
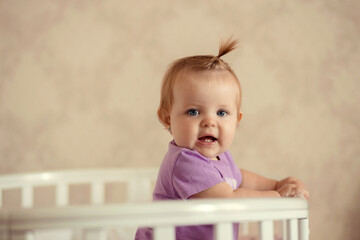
(227, 46)
(215, 62)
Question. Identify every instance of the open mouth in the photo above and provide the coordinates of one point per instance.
(207, 139)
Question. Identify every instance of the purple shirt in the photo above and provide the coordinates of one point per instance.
(185, 172)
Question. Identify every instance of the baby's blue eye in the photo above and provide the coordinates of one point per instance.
(193, 112)
(221, 113)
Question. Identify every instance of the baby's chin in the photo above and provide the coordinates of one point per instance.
(210, 156)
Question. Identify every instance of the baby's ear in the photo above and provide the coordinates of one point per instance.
(164, 117)
(239, 117)
(167, 122)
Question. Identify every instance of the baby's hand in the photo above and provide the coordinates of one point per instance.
(289, 180)
(292, 187)
(292, 190)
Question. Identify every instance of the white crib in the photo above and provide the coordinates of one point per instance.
(103, 221)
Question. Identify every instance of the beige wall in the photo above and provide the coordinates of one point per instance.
(79, 88)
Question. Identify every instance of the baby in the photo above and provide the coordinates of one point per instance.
(200, 107)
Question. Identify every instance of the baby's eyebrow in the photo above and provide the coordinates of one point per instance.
(224, 106)
(192, 105)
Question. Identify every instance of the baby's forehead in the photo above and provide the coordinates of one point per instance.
(201, 82)
(203, 85)
(205, 78)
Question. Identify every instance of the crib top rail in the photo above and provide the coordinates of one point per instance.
(138, 183)
(163, 213)
(75, 176)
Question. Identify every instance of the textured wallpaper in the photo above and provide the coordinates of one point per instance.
(80, 83)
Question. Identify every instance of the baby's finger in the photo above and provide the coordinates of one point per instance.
(299, 191)
(306, 194)
(286, 190)
(299, 195)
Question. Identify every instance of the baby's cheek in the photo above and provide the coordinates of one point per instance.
(229, 136)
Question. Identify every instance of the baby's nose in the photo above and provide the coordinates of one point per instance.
(208, 122)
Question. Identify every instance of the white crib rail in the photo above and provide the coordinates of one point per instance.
(138, 183)
(163, 216)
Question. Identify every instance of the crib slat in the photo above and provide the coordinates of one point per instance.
(27, 196)
(95, 234)
(304, 229)
(138, 190)
(1, 201)
(97, 192)
(224, 231)
(292, 229)
(267, 230)
(62, 195)
(283, 229)
(29, 235)
(164, 233)
(245, 228)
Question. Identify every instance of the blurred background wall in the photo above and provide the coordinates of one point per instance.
(80, 82)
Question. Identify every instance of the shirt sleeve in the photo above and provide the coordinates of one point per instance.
(235, 170)
(192, 174)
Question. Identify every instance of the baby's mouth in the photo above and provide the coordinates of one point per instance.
(207, 139)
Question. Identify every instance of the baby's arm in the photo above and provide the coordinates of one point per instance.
(252, 186)
(256, 186)
(288, 187)
(254, 181)
(224, 190)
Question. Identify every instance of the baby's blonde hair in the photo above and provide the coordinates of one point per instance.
(193, 63)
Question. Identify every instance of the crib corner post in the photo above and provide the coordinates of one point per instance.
(304, 229)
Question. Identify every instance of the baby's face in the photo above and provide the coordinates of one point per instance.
(204, 115)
